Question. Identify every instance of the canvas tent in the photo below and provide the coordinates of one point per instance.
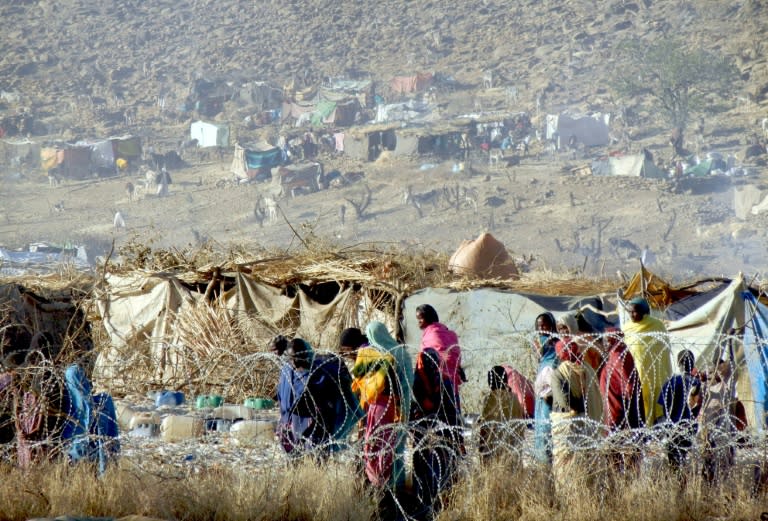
(209, 134)
(494, 327)
(701, 322)
(250, 160)
(633, 165)
(588, 130)
(147, 313)
(21, 151)
(411, 84)
(484, 256)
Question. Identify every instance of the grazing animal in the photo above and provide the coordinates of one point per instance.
(270, 206)
(488, 79)
(149, 180)
(53, 178)
(130, 190)
(118, 222)
(495, 156)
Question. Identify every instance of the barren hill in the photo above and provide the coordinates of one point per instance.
(76, 66)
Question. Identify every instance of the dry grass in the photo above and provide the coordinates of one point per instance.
(331, 491)
(293, 494)
(503, 491)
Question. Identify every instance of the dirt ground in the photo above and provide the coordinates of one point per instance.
(547, 217)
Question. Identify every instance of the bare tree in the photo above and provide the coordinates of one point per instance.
(361, 203)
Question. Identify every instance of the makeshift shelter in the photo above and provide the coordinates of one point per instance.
(21, 152)
(261, 95)
(209, 134)
(250, 161)
(47, 316)
(703, 168)
(633, 165)
(148, 316)
(298, 178)
(410, 84)
(494, 327)
(368, 142)
(71, 161)
(483, 257)
(725, 321)
(588, 130)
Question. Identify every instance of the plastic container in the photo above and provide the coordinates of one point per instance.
(145, 424)
(124, 416)
(233, 412)
(259, 404)
(250, 432)
(179, 428)
(208, 401)
(169, 399)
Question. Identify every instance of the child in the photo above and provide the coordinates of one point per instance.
(499, 430)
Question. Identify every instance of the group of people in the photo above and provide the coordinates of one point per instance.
(389, 398)
(625, 381)
(586, 387)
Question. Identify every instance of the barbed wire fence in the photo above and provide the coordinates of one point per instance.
(219, 358)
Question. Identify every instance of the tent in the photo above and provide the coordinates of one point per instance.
(249, 161)
(701, 169)
(147, 314)
(410, 84)
(588, 130)
(484, 257)
(634, 165)
(261, 95)
(725, 321)
(209, 134)
(21, 151)
(71, 161)
(494, 327)
(368, 142)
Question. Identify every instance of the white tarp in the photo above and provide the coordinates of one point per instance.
(588, 130)
(494, 327)
(209, 134)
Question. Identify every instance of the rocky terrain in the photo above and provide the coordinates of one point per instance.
(77, 66)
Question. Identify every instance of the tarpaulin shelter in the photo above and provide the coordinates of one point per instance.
(411, 84)
(588, 130)
(493, 326)
(261, 95)
(71, 161)
(147, 311)
(633, 165)
(21, 151)
(724, 322)
(209, 134)
(252, 159)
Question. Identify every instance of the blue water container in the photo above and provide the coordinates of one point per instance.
(169, 399)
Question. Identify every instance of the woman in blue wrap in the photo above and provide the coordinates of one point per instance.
(379, 338)
(545, 348)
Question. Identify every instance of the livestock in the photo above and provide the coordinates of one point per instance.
(488, 79)
(118, 222)
(495, 156)
(130, 190)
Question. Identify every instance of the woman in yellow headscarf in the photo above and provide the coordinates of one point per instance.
(646, 338)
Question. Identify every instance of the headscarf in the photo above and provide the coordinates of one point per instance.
(641, 304)
(379, 337)
(566, 348)
(352, 337)
(546, 344)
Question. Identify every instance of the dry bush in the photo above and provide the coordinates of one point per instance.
(275, 494)
(501, 490)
